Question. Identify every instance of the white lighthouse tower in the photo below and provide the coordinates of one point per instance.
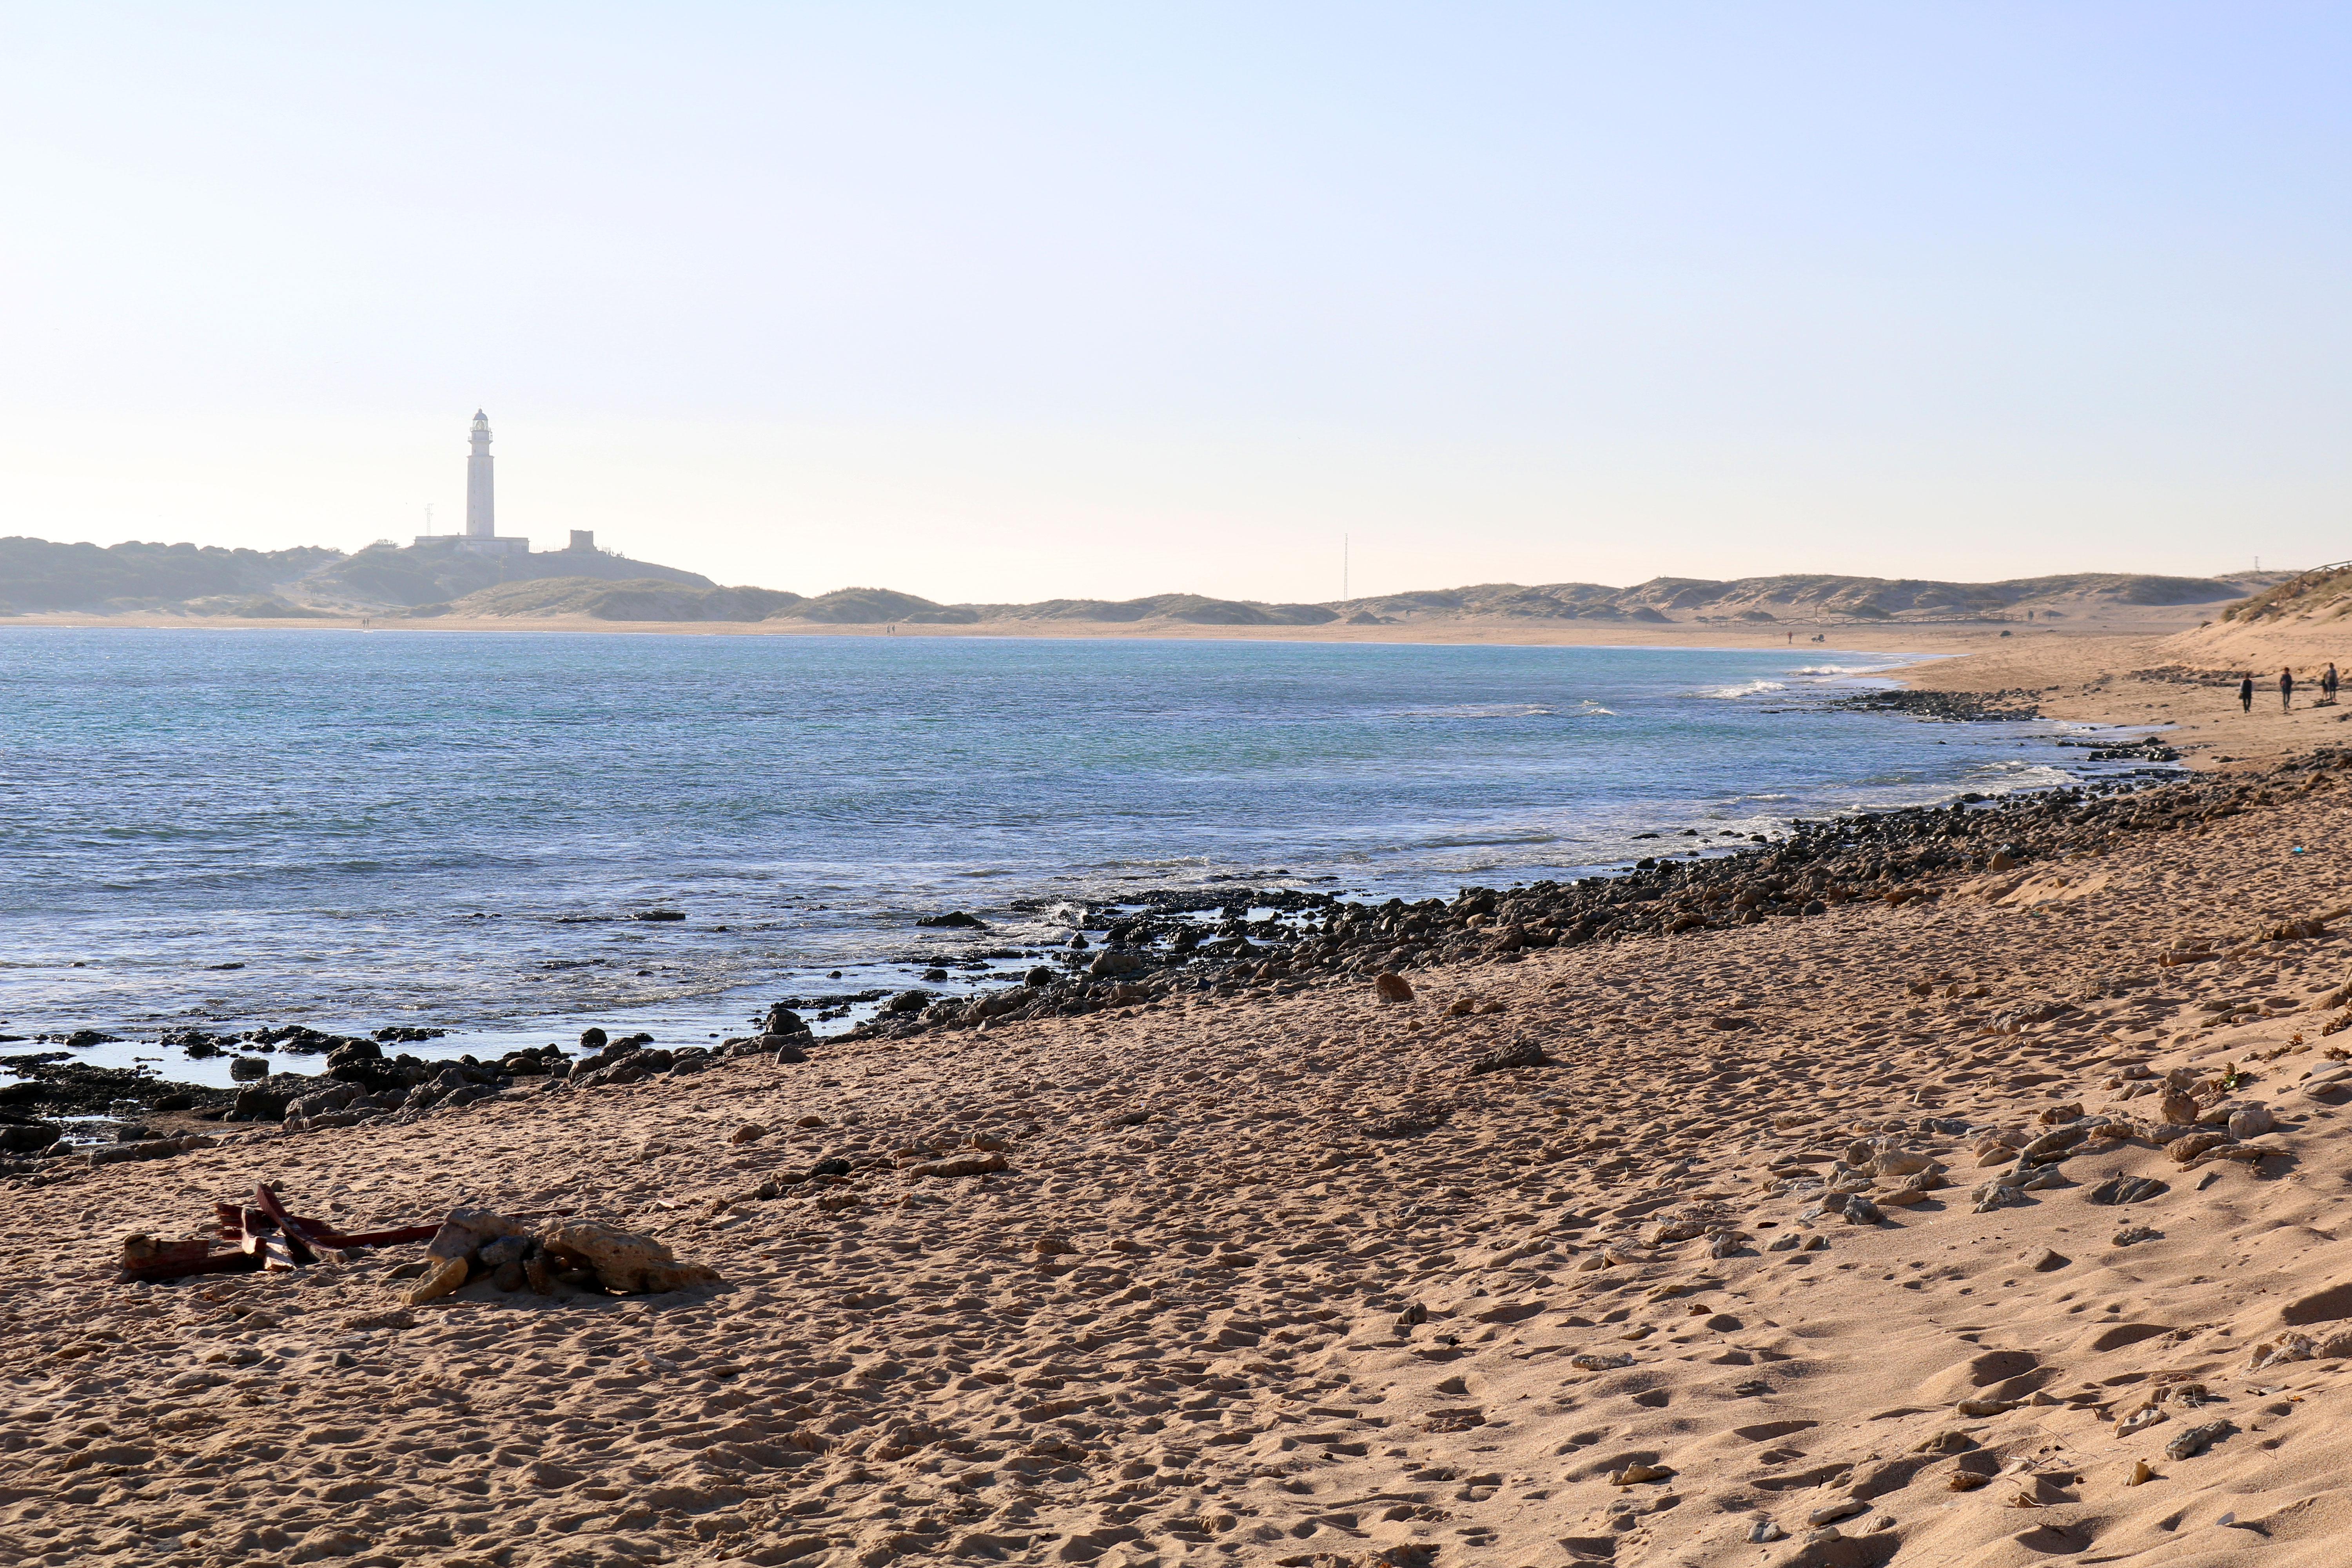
(481, 503)
(481, 535)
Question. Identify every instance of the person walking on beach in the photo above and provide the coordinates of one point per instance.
(2246, 694)
(2286, 688)
(2327, 684)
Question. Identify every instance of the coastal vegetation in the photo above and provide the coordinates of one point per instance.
(438, 579)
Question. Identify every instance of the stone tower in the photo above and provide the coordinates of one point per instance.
(481, 521)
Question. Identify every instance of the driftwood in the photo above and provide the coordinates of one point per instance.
(325, 1237)
(260, 1235)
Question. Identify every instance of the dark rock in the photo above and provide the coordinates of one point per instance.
(1522, 1055)
(28, 1137)
(591, 1039)
(907, 1002)
(659, 915)
(955, 917)
(260, 1103)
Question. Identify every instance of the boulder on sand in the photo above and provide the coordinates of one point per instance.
(622, 1262)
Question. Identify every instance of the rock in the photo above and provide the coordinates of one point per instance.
(2196, 1440)
(259, 1104)
(245, 1070)
(2251, 1121)
(506, 1249)
(2140, 1474)
(1392, 987)
(907, 1002)
(750, 1133)
(1844, 1509)
(2187, 1149)
(1901, 1162)
(1862, 1211)
(1590, 1362)
(622, 1260)
(335, 1097)
(956, 919)
(1636, 1473)
(439, 1280)
(2126, 1190)
(2132, 1234)
(2178, 1106)
(2053, 1144)
(967, 1165)
(1522, 1055)
(465, 1231)
(2047, 1261)
(28, 1137)
(1978, 1409)
(1110, 962)
(2285, 1348)
(368, 1322)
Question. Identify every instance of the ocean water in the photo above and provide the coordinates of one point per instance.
(454, 830)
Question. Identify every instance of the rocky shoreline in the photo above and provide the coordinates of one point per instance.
(1147, 955)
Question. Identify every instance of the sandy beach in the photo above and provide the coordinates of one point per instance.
(1909, 1231)
(2095, 621)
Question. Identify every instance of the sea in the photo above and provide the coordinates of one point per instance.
(350, 829)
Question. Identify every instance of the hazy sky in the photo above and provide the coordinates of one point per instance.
(1005, 300)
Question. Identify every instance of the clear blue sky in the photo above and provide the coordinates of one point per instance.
(1009, 300)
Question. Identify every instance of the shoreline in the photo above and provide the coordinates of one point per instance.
(1902, 851)
(936, 1006)
(1877, 639)
(1654, 1247)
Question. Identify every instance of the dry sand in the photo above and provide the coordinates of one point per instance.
(1283, 1281)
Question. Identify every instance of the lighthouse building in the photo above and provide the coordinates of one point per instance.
(481, 535)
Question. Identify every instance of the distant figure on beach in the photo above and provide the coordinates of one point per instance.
(2327, 684)
(2286, 688)
(2246, 694)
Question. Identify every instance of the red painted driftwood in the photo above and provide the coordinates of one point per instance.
(261, 1235)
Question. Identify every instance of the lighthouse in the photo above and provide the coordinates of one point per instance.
(481, 536)
(481, 503)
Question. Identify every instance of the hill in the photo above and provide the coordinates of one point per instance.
(1807, 597)
(439, 571)
(439, 579)
(37, 574)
